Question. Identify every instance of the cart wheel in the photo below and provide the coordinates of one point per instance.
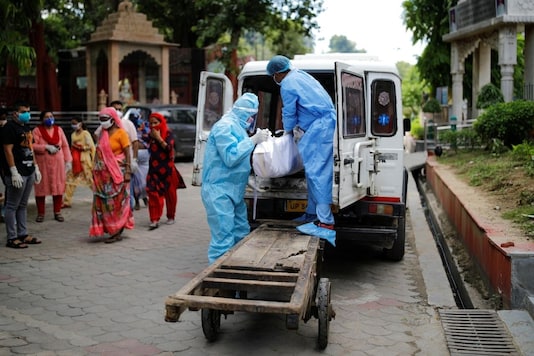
(211, 323)
(323, 311)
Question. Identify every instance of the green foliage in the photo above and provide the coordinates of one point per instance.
(412, 89)
(524, 152)
(512, 122)
(429, 21)
(341, 44)
(417, 129)
(489, 95)
(432, 105)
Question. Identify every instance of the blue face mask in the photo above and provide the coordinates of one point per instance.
(49, 121)
(25, 117)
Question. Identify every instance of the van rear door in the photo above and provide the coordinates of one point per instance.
(215, 97)
(354, 146)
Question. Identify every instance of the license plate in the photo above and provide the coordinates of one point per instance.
(296, 206)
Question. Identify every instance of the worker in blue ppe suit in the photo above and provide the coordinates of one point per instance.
(225, 174)
(308, 113)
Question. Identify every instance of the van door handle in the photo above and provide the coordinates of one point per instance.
(348, 161)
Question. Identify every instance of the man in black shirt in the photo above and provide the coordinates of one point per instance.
(21, 173)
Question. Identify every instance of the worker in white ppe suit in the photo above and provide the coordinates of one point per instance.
(308, 113)
(225, 174)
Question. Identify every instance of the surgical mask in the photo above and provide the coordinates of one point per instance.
(49, 121)
(24, 117)
(75, 126)
(3, 122)
(106, 124)
(119, 112)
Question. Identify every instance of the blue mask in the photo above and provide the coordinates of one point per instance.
(24, 117)
(49, 121)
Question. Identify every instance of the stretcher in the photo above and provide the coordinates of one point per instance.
(275, 269)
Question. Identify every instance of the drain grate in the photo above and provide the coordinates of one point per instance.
(476, 332)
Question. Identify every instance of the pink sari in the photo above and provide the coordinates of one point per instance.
(111, 211)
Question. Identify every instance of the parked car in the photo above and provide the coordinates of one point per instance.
(181, 120)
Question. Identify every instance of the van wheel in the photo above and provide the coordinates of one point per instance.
(396, 253)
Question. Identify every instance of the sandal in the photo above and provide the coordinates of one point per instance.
(39, 218)
(59, 217)
(16, 243)
(30, 240)
(113, 239)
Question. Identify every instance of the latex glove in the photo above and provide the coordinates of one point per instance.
(297, 134)
(134, 166)
(68, 166)
(51, 148)
(38, 175)
(16, 178)
(261, 136)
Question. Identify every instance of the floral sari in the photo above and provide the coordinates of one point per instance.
(111, 211)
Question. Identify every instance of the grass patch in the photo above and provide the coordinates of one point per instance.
(504, 176)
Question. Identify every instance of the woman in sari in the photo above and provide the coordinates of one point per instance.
(82, 151)
(111, 211)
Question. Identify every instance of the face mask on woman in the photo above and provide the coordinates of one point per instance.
(106, 124)
(24, 117)
(49, 121)
(75, 126)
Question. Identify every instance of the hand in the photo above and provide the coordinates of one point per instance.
(68, 166)
(134, 165)
(51, 148)
(16, 178)
(260, 136)
(38, 175)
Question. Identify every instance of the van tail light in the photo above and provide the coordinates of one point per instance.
(381, 209)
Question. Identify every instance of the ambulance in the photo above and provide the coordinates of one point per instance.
(370, 181)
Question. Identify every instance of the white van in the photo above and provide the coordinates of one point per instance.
(370, 181)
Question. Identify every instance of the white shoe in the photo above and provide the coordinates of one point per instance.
(153, 225)
(170, 222)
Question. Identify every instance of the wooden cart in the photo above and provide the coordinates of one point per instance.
(272, 270)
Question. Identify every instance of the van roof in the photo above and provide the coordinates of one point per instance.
(325, 63)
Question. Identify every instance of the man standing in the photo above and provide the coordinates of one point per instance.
(21, 172)
(225, 175)
(309, 114)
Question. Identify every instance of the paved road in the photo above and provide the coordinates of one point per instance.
(75, 296)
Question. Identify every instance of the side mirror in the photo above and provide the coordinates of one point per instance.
(407, 123)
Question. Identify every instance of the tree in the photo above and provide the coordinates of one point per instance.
(341, 44)
(236, 16)
(412, 89)
(429, 21)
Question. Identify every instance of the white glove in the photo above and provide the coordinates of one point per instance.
(51, 148)
(38, 175)
(261, 136)
(68, 166)
(134, 166)
(16, 178)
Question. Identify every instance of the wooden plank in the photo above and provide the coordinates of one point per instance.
(229, 304)
(256, 275)
(248, 285)
(306, 281)
(272, 250)
(286, 253)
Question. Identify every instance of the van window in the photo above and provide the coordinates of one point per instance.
(213, 105)
(383, 108)
(353, 105)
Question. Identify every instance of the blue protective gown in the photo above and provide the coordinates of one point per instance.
(308, 106)
(225, 174)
